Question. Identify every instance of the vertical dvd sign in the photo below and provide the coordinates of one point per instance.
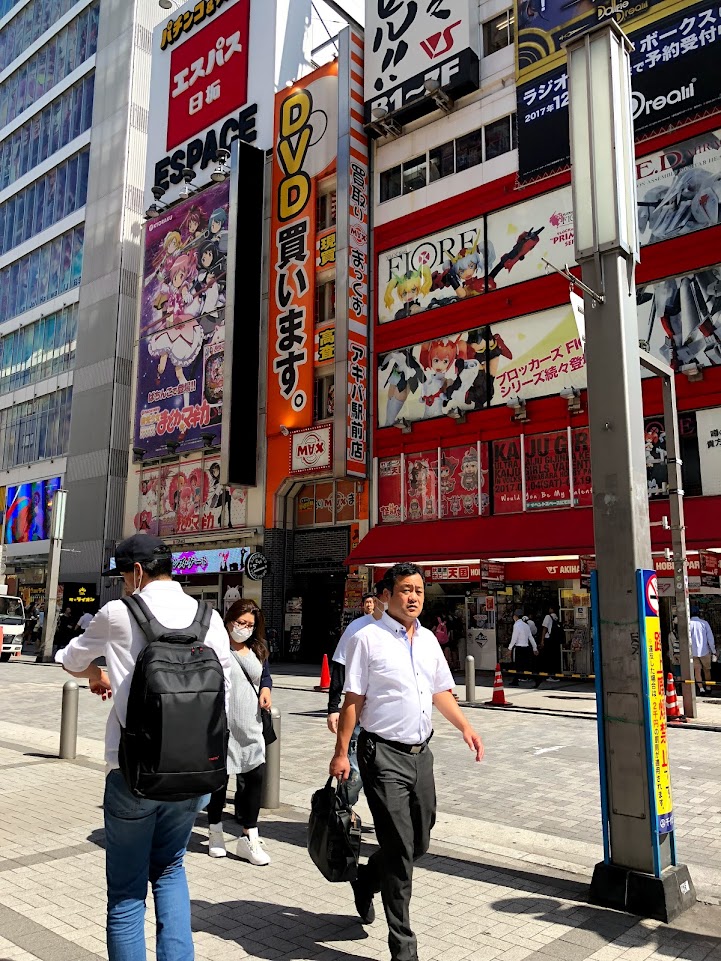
(352, 312)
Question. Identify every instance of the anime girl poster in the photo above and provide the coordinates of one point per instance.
(182, 326)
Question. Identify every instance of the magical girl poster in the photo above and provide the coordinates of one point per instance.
(182, 325)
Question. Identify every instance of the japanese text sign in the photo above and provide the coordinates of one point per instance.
(208, 74)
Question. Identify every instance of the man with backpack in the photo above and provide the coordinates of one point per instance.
(552, 640)
(165, 751)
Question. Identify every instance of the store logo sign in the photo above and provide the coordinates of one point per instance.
(311, 450)
(642, 106)
(439, 44)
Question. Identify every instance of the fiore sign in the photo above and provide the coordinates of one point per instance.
(410, 42)
(311, 450)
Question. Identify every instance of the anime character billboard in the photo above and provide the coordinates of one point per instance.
(526, 357)
(28, 512)
(182, 325)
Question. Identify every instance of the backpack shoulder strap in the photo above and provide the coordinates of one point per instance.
(201, 621)
(143, 617)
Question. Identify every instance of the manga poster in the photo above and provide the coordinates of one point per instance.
(680, 318)
(421, 480)
(507, 476)
(581, 460)
(547, 470)
(389, 490)
(531, 356)
(182, 325)
(464, 481)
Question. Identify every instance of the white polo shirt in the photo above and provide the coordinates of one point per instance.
(355, 625)
(115, 635)
(398, 679)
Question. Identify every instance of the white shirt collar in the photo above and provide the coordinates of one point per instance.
(396, 627)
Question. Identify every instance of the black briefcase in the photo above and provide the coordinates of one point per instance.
(334, 833)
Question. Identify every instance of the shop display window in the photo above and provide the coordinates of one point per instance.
(326, 503)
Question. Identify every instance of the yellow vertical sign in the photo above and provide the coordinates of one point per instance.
(657, 705)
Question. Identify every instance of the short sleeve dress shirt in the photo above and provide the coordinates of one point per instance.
(398, 679)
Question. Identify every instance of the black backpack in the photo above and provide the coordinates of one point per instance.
(557, 635)
(174, 743)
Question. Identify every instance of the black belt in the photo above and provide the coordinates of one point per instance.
(398, 745)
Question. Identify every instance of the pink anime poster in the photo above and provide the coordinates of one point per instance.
(421, 482)
(464, 481)
(182, 325)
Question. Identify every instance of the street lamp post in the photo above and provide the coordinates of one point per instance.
(639, 873)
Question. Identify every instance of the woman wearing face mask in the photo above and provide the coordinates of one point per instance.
(250, 690)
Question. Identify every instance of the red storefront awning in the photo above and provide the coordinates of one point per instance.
(533, 534)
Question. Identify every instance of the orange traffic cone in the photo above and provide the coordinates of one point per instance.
(499, 697)
(674, 707)
(324, 676)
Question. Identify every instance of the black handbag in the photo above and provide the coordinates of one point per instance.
(266, 718)
(334, 833)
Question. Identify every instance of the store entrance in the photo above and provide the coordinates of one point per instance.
(322, 594)
(200, 593)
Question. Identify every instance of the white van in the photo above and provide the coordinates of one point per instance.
(12, 625)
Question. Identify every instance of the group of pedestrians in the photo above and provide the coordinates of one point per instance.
(533, 654)
(146, 839)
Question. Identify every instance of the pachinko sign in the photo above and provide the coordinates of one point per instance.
(182, 326)
(306, 127)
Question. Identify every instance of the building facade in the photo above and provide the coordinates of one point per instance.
(481, 467)
(74, 80)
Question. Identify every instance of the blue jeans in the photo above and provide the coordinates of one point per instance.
(354, 779)
(146, 841)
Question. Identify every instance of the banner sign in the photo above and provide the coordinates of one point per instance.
(29, 510)
(507, 476)
(463, 480)
(230, 559)
(655, 703)
(413, 41)
(673, 75)
(531, 356)
(179, 397)
(305, 145)
(546, 469)
(581, 461)
(389, 490)
(324, 345)
(710, 564)
(709, 447)
(325, 242)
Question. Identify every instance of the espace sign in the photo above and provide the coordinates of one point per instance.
(212, 82)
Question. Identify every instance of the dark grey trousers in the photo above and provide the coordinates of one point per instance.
(401, 794)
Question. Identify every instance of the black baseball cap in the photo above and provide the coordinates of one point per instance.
(138, 549)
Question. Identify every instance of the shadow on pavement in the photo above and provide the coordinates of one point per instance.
(251, 924)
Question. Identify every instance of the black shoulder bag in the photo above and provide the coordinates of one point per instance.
(334, 833)
(266, 718)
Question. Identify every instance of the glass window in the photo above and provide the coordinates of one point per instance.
(323, 396)
(390, 183)
(441, 161)
(325, 302)
(498, 32)
(414, 174)
(326, 210)
(469, 150)
(498, 137)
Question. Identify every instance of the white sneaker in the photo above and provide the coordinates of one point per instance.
(249, 848)
(216, 841)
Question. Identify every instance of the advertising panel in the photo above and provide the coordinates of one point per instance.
(530, 356)
(673, 75)
(546, 468)
(324, 344)
(710, 569)
(679, 189)
(708, 423)
(306, 134)
(389, 490)
(582, 483)
(325, 242)
(305, 506)
(227, 560)
(311, 450)
(680, 318)
(421, 493)
(507, 476)
(657, 458)
(29, 509)
(413, 42)
(212, 81)
(464, 481)
(655, 703)
(182, 325)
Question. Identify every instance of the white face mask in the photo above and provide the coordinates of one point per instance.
(241, 634)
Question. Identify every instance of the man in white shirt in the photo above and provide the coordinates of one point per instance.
(551, 642)
(373, 607)
(395, 674)
(523, 643)
(144, 840)
(703, 647)
(84, 621)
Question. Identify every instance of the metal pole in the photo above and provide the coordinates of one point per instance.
(270, 797)
(69, 721)
(57, 523)
(678, 542)
(470, 679)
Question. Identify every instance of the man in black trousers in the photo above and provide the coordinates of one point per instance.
(395, 674)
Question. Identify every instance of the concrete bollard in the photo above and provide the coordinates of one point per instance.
(470, 679)
(270, 797)
(69, 721)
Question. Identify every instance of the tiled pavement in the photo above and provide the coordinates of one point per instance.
(478, 895)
